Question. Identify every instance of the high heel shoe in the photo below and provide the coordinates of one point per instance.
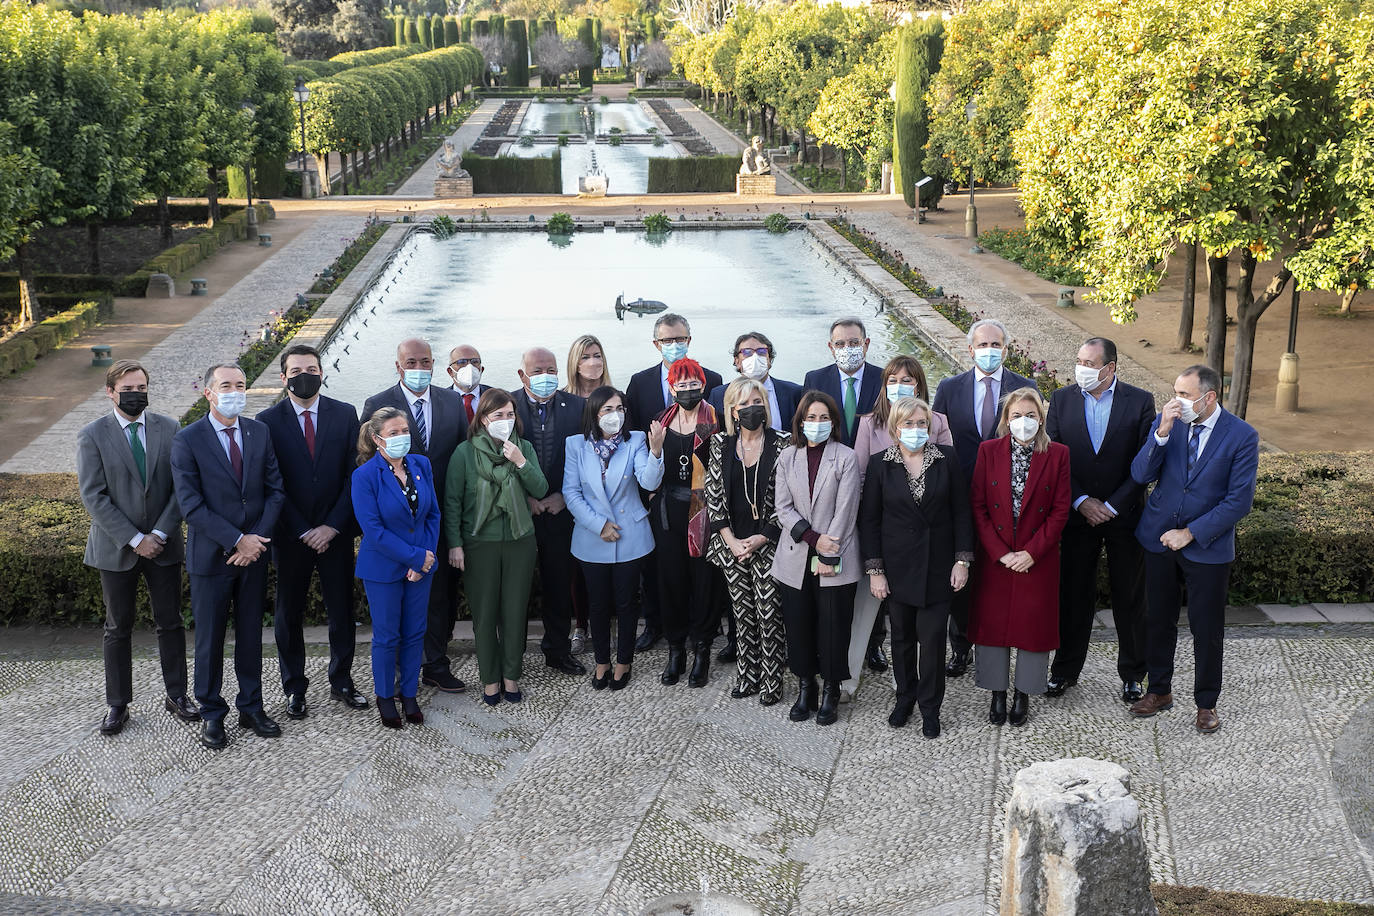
(743, 689)
(806, 700)
(386, 707)
(997, 713)
(491, 699)
(601, 681)
(1020, 708)
(412, 711)
(620, 683)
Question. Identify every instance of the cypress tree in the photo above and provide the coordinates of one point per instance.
(465, 29)
(436, 30)
(422, 26)
(450, 31)
(919, 48)
(412, 33)
(518, 72)
(399, 29)
(586, 34)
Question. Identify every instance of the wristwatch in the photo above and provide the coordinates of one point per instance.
(964, 563)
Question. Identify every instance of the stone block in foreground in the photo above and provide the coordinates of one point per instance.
(453, 187)
(756, 185)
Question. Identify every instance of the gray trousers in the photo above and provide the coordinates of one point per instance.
(992, 669)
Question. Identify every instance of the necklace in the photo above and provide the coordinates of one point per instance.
(751, 491)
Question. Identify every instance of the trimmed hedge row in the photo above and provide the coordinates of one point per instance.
(687, 92)
(23, 348)
(693, 174)
(181, 258)
(513, 175)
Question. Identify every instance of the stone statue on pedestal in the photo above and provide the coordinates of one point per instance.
(451, 163)
(755, 160)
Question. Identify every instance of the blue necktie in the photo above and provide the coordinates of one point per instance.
(1193, 440)
(420, 423)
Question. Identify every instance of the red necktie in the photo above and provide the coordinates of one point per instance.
(467, 404)
(235, 454)
(309, 434)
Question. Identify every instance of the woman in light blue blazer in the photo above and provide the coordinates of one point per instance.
(606, 466)
(398, 511)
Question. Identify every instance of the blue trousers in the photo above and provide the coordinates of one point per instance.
(245, 590)
(400, 612)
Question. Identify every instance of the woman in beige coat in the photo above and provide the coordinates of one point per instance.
(817, 558)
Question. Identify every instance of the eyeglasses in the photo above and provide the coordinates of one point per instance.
(852, 342)
(753, 351)
(674, 340)
(688, 386)
(460, 363)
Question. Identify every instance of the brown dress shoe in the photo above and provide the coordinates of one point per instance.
(1152, 703)
(1207, 721)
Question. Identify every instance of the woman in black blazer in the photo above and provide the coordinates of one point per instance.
(916, 538)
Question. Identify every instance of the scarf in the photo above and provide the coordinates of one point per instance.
(605, 449)
(499, 490)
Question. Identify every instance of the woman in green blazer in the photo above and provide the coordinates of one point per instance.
(491, 537)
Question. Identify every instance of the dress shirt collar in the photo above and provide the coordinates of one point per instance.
(978, 375)
(315, 407)
(1110, 389)
(1210, 424)
(220, 427)
(411, 397)
(124, 421)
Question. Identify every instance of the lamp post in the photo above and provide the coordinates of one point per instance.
(971, 214)
(302, 94)
(251, 228)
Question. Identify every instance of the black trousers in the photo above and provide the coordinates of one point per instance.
(689, 606)
(553, 535)
(918, 653)
(244, 592)
(958, 623)
(442, 610)
(1078, 554)
(816, 620)
(648, 596)
(121, 607)
(611, 589)
(295, 565)
(1166, 575)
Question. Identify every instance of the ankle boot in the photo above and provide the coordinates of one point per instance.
(829, 709)
(998, 713)
(701, 665)
(677, 660)
(806, 700)
(1020, 708)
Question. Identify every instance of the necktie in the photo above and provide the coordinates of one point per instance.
(309, 433)
(987, 416)
(420, 423)
(467, 405)
(140, 456)
(1194, 440)
(543, 414)
(235, 455)
(851, 404)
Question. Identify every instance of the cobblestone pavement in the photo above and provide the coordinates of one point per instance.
(586, 802)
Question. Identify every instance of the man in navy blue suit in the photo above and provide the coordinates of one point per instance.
(851, 380)
(754, 354)
(316, 442)
(971, 402)
(1203, 461)
(465, 368)
(227, 483)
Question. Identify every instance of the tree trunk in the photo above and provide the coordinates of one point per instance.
(212, 195)
(802, 136)
(1249, 308)
(1347, 300)
(357, 178)
(1216, 311)
(28, 294)
(844, 170)
(1185, 316)
(164, 221)
(93, 248)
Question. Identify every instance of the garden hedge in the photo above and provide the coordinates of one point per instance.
(181, 258)
(693, 174)
(18, 352)
(513, 175)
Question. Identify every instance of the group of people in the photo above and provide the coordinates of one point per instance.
(800, 514)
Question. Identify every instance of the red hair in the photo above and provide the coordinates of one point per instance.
(686, 369)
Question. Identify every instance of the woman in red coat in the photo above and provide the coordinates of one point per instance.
(1020, 500)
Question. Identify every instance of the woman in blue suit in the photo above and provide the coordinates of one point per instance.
(396, 507)
(604, 470)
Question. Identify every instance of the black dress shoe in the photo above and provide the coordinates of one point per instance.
(444, 680)
(412, 711)
(259, 722)
(677, 660)
(742, 690)
(1132, 691)
(901, 714)
(958, 664)
(807, 700)
(602, 681)
(350, 697)
(114, 720)
(565, 663)
(876, 659)
(829, 710)
(648, 639)
(512, 696)
(491, 699)
(729, 654)
(1020, 708)
(997, 713)
(182, 708)
(295, 706)
(620, 683)
(930, 726)
(386, 708)
(701, 666)
(1056, 686)
(212, 734)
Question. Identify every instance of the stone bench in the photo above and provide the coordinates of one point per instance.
(756, 185)
(200, 286)
(160, 286)
(265, 239)
(103, 355)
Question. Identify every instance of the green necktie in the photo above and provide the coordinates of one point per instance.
(140, 456)
(851, 404)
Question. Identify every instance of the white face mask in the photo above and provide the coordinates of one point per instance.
(1087, 377)
(1024, 428)
(500, 430)
(1187, 409)
(230, 403)
(468, 377)
(754, 367)
(611, 423)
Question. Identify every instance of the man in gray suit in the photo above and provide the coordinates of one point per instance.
(123, 463)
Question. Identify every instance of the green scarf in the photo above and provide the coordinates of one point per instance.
(498, 488)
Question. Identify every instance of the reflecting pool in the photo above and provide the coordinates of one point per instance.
(556, 117)
(504, 292)
(626, 167)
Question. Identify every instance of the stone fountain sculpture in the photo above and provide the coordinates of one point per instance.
(453, 180)
(755, 178)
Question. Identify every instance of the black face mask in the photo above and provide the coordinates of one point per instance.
(133, 403)
(304, 386)
(689, 398)
(752, 417)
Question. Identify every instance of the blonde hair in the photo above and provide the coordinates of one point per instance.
(373, 428)
(575, 353)
(736, 392)
(1041, 443)
(902, 410)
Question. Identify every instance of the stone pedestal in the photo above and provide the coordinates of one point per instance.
(1286, 394)
(756, 185)
(160, 286)
(1073, 844)
(453, 187)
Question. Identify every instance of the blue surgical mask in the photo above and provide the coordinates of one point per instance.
(544, 384)
(816, 431)
(672, 352)
(231, 403)
(989, 359)
(397, 446)
(897, 390)
(417, 380)
(914, 437)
